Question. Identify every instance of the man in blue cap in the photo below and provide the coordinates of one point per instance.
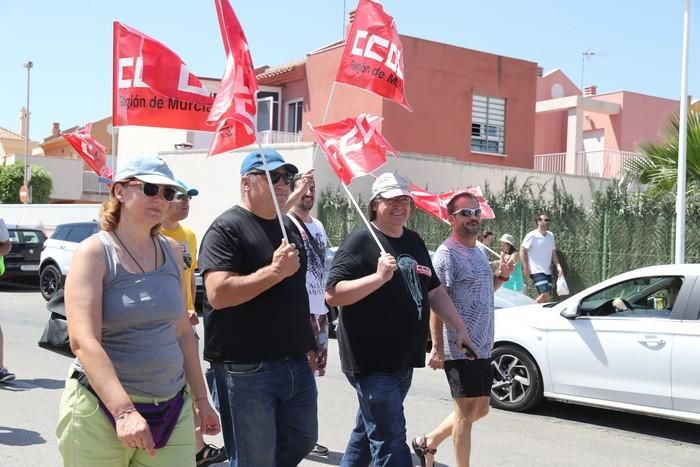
(178, 210)
(256, 322)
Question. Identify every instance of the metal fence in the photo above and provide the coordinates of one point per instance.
(618, 233)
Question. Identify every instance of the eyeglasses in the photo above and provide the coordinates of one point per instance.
(546, 220)
(402, 200)
(151, 189)
(468, 212)
(276, 176)
(181, 196)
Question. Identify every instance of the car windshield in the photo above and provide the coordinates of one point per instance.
(28, 237)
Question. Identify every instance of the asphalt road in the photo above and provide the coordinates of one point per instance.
(554, 435)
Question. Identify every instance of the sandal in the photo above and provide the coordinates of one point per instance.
(211, 455)
(421, 449)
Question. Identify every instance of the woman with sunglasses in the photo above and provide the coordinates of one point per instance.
(128, 396)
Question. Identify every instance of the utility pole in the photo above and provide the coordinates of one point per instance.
(682, 143)
(584, 55)
(27, 168)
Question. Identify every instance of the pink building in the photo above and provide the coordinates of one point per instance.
(593, 134)
(467, 105)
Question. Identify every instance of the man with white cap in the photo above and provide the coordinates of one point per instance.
(385, 302)
(256, 322)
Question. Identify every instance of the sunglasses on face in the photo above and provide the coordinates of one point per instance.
(467, 212)
(546, 220)
(276, 176)
(151, 189)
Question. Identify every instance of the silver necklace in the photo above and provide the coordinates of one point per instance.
(144, 258)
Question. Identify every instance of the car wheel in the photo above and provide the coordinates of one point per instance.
(517, 383)
(50, 281)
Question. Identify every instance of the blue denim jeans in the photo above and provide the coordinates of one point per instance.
(380, 429)
(268, 411)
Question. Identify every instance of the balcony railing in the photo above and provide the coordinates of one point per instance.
(275, 137)
(92, 185)
(553, 163)
(603, 163)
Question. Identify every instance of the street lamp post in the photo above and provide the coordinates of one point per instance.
(27, 171)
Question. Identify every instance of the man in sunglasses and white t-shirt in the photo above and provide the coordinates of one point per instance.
(256, 322)
(538, 251)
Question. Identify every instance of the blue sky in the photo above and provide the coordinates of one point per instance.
(637, 42)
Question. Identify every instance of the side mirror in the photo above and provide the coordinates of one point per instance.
(570, 312)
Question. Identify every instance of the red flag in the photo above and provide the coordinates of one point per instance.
(153, 86)
(436, 204)
(233, 110)
(353, 147)
(373, 55)
(91, 150)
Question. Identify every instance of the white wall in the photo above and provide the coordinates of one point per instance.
(218, 180)
(48, 216)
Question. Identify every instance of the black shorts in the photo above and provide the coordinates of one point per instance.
(469, 378)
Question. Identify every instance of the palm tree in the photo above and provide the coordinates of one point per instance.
(658, 168)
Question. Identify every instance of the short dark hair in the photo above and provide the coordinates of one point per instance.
(371, 212)
(486, 233)
(453, 201)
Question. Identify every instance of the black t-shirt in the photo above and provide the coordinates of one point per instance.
(388, 329)
(272, 325)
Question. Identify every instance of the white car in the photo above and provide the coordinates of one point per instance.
(629, 343)
(57, 255)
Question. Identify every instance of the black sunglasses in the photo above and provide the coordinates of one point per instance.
(276, 176)
(468, 212)
(181, 196)
(151, 189)
(546, 220)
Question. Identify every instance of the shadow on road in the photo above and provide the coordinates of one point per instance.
(333, 458)
(11, 286)
(19, 437)
(642, 424)
(27, 384)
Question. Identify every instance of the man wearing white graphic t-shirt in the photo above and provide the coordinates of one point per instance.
(314, 236)
(538, 252)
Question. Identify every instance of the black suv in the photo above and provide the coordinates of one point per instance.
(23, 259)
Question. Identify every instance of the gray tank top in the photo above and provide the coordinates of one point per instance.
(139, 319)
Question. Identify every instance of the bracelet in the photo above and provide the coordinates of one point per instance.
(503, 279)
(124, 413)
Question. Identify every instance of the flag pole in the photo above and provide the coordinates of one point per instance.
(325, 115)
(362, 216)
(682, 143)
(272, 192)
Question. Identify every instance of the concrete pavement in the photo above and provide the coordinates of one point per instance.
(554, 435)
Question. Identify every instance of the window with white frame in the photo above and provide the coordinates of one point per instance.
(268, 109)
(488, 124)
(295, 111)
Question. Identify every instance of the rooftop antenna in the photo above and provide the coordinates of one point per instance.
(588, 54)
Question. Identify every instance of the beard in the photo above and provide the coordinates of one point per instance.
(468, 229)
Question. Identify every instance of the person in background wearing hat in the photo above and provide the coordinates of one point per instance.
(386, 302)
(128, 399)
(470, 282)
(510, 252)
(178, 210)
(256, 323)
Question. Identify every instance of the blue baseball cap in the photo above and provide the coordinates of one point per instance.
(188, 191)
(149, 169)
(253, 161)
